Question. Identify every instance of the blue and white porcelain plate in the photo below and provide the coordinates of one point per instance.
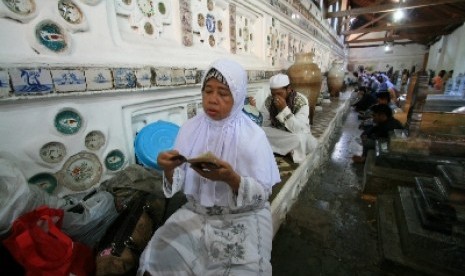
(210, 23)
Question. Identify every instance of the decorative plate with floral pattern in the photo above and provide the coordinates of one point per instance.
(81, 171)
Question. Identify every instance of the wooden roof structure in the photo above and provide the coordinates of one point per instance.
(371, 23)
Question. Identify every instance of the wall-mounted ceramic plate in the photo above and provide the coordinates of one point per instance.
(114, 160)
(81, 171)
(53, 152)
(70, 11)
(146, 7)
(201, 20)
(20, 7)
(45, 181)
(94, 140)
(210, 23)
(210, 5)
(68, 122)
(51, 36)
(211, 40)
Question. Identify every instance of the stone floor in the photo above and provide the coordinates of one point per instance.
(321, 121)
(332, 228)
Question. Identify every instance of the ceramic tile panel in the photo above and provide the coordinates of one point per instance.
(99, 79)
(191, 76)
(232, 28)
(208, 17)
(177, 77)
(186, 22)
(245, 37)
(163, 76)
(4, 84)
(273, 40)
(146, 18)
(144, 77)
(31, 81)
(191, 110)
(69, 80)
(124, 78)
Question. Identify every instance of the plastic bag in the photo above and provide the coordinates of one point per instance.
(38, 244)
(17, 197)
(89, 219)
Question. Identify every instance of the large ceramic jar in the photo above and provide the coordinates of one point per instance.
(305, 77)
(336, 78)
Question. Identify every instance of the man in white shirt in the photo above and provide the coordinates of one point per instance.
(285, 120)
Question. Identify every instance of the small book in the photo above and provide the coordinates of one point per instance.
(206, 161)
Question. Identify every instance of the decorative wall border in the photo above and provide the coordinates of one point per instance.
(33, 82)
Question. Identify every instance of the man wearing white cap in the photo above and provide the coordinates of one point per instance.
(285, 120)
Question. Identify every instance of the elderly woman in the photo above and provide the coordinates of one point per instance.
(225, 227)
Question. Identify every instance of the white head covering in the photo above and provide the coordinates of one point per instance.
(279, 80)
(235, 139)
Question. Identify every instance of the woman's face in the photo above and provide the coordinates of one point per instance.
(217, 99)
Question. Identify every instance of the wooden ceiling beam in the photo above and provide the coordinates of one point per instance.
(412, 4)
(435, 23)
(378, 45)
(373, 21)
(387, 39)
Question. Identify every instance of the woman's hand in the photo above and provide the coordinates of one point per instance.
(168, 161)
(219, 171)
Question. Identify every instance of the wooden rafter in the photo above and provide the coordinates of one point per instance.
(388, 39)
(422, 24)
(372, 21)
(412, 4)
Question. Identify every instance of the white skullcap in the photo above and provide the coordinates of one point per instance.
(279, 80)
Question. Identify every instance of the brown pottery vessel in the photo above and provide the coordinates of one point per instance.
(305, 77)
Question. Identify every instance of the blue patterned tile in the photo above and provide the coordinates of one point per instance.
(144, 77)
(99, 79)
(124, 78)
(4, 84)
(69, 80)
(163, 77)
(31, 81)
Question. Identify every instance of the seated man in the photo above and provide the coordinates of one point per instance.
(285, 120)
(384, 123)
